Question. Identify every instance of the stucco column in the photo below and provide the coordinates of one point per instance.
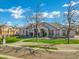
(54, 33)
(47, 33)
(28, 34)
(33, 33)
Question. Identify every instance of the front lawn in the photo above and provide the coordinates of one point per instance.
(54, 41)
(13, 39)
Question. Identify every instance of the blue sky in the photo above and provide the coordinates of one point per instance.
(15, 11)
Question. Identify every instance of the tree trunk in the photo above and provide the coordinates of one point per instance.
(68, 35)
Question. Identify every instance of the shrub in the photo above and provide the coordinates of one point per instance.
(11, 39)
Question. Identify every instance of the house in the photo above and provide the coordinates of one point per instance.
(77, 30)
(44, 30)
(7, 30)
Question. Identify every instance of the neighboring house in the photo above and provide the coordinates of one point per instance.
(77, 29)
(44, 30)
(7, 30)
(72, 33)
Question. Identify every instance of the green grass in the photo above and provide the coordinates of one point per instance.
(3, 58)
(54, 41)
(43, 47)
(11, 39)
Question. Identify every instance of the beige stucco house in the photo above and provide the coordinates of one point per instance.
(7, 30)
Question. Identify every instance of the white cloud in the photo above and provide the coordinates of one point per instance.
(2, 10)
(74, 12)
(45, 14)
(72, 3)
(52, 14)
(16, 12)
(38, 15)
(74, 16)
(65, 5)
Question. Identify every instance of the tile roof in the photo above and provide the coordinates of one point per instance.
(48, 25)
